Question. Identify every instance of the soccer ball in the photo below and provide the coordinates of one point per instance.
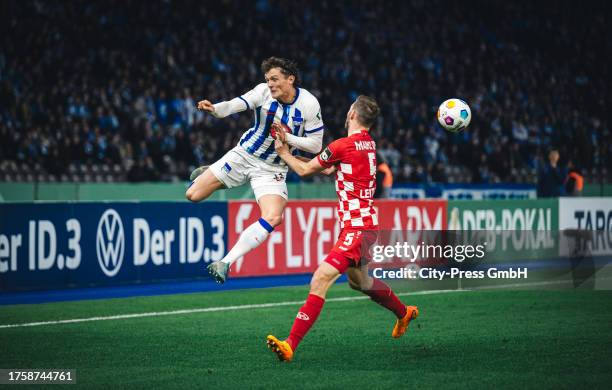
(454, 115)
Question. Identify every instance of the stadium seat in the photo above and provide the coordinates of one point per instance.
(12, 167)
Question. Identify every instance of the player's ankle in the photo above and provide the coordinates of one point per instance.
(401, 314)
(292, 343)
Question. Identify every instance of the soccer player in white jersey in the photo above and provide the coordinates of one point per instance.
(278, 101)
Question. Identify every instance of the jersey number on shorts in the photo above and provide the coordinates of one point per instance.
(350, 237)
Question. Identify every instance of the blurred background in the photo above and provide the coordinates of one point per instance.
(106, 91)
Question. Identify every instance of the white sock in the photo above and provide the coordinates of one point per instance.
(250, 239)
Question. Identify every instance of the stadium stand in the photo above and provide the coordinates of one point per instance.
(80, 105)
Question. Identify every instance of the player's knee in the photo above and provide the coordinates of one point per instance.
(191, 193)
(273, 219)
(196, 195)
(319, 282)
(354, 285)
(366, 283)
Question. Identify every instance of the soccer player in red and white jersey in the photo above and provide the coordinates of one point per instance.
(354, 160)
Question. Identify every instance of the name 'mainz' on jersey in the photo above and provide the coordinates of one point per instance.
(355, 160)
(302, 117)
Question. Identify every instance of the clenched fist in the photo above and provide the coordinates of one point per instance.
(206, 105)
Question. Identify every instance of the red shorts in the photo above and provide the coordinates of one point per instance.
(351, 249)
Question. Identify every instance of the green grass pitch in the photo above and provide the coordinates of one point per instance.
(484, 339)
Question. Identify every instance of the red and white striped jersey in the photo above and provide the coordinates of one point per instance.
(355, 161)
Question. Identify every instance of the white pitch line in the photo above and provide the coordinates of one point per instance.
(260, 305)
(202, 310)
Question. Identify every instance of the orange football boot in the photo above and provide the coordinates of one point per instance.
(401, 325)
(282, 349)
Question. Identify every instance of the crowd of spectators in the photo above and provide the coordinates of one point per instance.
(115, 82)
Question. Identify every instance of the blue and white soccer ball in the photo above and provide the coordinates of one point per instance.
(454, 115)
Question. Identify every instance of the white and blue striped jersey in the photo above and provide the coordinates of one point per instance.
(302, 116)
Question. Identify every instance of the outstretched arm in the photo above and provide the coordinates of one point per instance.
(329, 171)
(302, 168)
(223, 109)
(250, 100)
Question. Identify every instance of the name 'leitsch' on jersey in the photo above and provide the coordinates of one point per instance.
(355, 160)
(302, 117)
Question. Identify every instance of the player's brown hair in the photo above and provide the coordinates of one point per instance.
(287, 67)
(367, 110)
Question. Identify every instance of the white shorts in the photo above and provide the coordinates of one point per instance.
(237, 167)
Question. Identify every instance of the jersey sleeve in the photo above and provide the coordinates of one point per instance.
(313, 120)
(332, 154)
(255, 97)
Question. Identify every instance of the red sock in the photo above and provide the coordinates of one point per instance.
(384, 296)
(305, 319)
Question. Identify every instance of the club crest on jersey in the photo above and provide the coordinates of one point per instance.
(326, 154)
(279, 176)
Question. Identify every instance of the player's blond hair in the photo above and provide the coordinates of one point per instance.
(367, 110)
